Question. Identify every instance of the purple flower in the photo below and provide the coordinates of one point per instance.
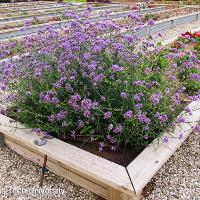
(146, 137)
(138, 106)
(80, 124)
(37, 131)
(165, 139)
(177, 98)
(123, 94)
(188, 110)
(111, 139)
(61, 115)
(194, 76)
(118, 129)
(139, 83)
(73, 134)
(142, 118)
(101, 146)
(55, 100)
(180, 136)
(181, 119)
(107, 115)
(116, 68)
(86, 104)
(51, 118)
(128, 114)
(167, 91)
(103, 98)
(151, 22)
(86, 113)
(27, 23)
(155, 98)
(162, 118)
(73, 101)
(137, 97)
(110, 127)
(197, 128)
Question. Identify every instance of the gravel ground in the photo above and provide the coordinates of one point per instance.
(179, 179)
(17, 172)
(177, 31)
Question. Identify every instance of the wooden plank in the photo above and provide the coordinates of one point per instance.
(50, 160)
(146, 165)
(114, 194)
(78, 180)
(128, 197)
(38, 159)
(75, 158)
(57, 169)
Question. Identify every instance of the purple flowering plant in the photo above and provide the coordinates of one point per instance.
(187, 57)
(94, 83)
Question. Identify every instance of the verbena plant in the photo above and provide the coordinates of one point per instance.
(92, 82)
(188, 46)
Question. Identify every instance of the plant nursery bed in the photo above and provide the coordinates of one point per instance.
(9, 32)
(40, 8)
(57, 13)
(4, 5)
(9, 23)
(177, 12)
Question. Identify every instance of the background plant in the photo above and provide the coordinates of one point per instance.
(188, 60)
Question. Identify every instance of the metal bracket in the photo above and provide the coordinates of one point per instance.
(44, 171)
(1, 140)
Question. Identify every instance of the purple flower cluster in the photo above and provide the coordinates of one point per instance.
(155, 98)
(49, 97)
(143, 119)
(162, 118)
(128, 114)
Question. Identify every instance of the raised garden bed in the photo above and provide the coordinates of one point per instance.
(59, 14)
(106, 179)
(177, 12)
(14, 32)
(47, 8)
(4, 5)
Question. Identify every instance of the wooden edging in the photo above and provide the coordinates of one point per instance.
(146, 165)
(107, 179)
(99, 175)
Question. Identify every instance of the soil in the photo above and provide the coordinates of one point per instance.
(123, 156)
